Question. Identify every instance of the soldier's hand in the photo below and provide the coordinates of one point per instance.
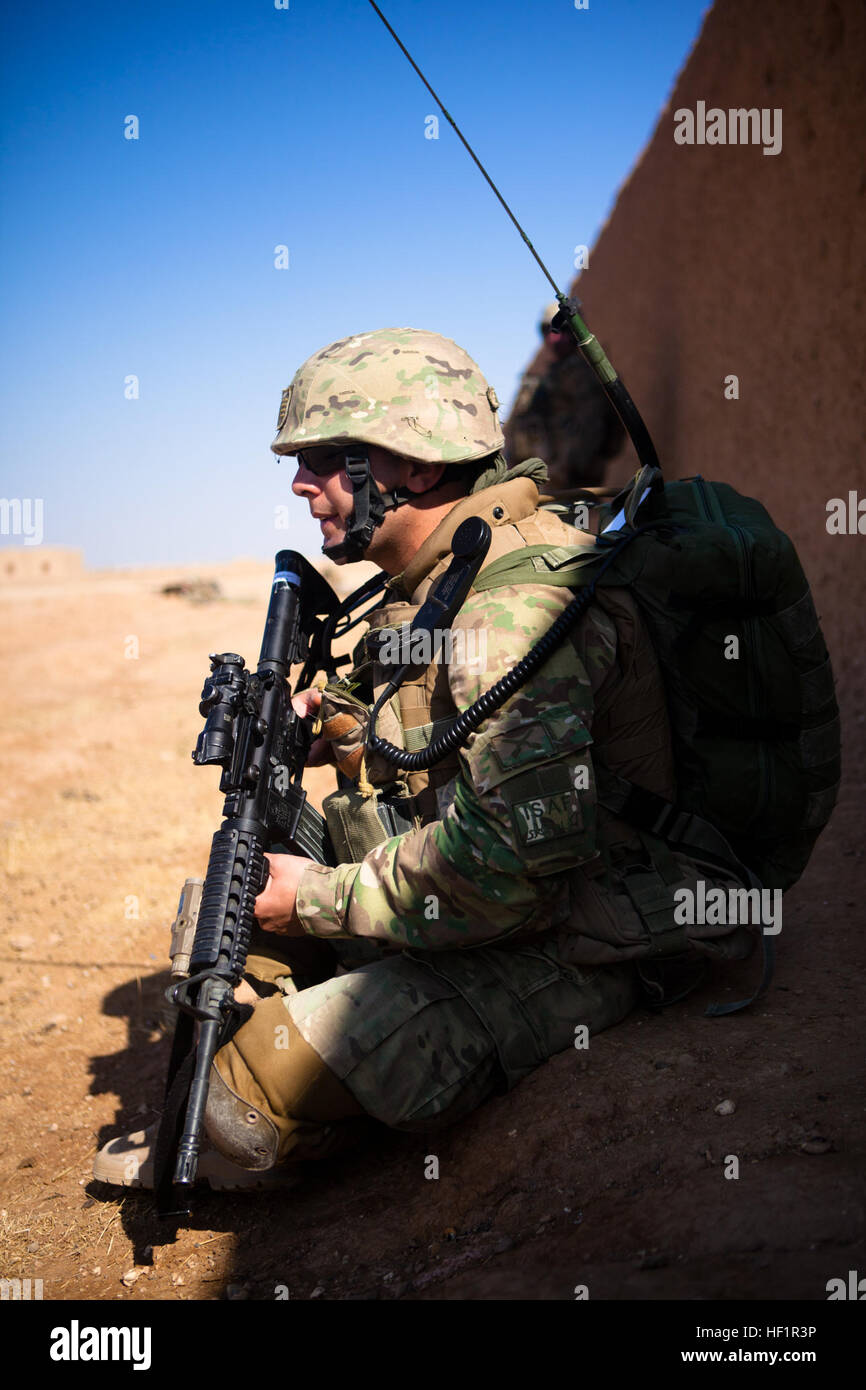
(277, 902)
(308, 702)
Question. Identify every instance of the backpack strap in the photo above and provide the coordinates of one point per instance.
(559, 565)
(661, 821)
(666, 825)
(652, 813)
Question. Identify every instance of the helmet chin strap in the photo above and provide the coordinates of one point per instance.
(368, 512)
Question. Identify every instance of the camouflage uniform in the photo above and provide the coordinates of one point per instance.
(487, 929)
(445, 963)
(474, 945)
(471, 992)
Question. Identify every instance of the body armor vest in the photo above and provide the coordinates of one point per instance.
(630, 726)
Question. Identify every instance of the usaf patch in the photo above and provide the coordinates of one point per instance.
(546, 817)
(284, 408)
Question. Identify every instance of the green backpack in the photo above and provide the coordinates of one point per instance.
(754, 718)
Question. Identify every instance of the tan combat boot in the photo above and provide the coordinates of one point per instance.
(127, 1161)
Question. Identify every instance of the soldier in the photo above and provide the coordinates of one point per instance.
(562, 414)
(435, 968)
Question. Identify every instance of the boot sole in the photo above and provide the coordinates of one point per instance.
(219, 1173)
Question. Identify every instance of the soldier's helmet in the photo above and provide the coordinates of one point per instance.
(548, 316)
(414, 393)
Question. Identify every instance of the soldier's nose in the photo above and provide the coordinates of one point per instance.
(305, 483)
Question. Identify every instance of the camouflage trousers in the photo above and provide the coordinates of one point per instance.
(415, 1039)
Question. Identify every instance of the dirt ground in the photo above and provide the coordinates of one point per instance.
(608, 1168)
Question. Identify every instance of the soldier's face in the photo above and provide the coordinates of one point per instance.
(329, 494)
(562, 344)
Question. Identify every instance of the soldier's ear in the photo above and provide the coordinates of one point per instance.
(422, 477)
(393, 471)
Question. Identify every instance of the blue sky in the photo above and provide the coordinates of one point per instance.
(262, 127)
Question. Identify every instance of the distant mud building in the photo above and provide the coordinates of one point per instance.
(29, 564)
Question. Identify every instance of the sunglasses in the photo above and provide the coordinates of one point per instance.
(323, 462)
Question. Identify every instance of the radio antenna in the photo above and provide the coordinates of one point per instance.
(568, 316)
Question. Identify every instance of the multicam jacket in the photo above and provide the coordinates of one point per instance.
(509, 832)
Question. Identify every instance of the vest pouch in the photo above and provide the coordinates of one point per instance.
(359, 823)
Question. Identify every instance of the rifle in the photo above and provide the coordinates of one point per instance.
(254, 734)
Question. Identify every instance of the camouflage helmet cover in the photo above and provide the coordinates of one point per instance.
(414, 393)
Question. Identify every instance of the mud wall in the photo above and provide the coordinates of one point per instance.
(719, 261)
(27, 563)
